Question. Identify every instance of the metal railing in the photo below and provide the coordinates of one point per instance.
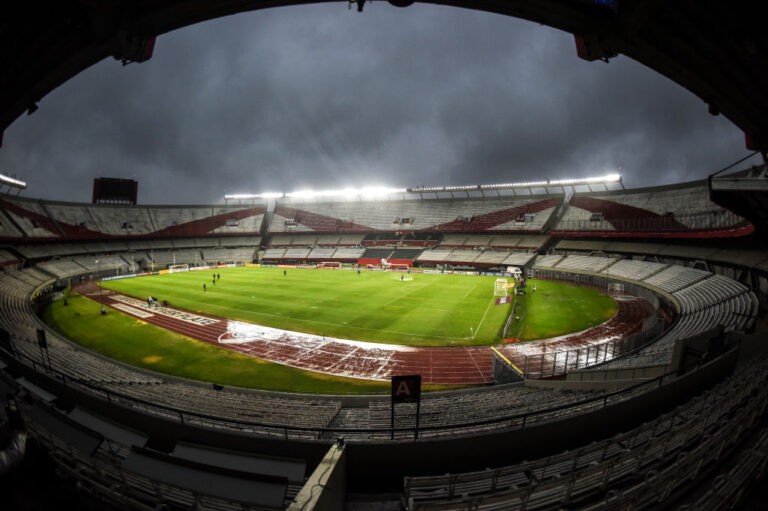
(547, 365)
(49, 378)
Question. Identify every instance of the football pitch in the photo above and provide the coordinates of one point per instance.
(417, 309)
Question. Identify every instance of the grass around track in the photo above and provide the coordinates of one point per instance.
(557, 308)
(140, 344)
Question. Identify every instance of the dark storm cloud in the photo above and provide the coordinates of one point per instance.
(319, 96)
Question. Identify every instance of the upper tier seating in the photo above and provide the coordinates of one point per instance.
(678, 209)
(445, 215)
(37, 219)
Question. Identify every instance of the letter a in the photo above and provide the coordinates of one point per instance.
(403, 389)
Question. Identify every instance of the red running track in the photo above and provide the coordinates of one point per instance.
(436, 365)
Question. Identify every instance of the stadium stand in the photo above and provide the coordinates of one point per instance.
(700, 298)
(32, 219)
(696, 441)
(322, 254)
(703, 299)
(7, 258)
(643, 466)
(228, 255)
(680, 209)
(441, 215)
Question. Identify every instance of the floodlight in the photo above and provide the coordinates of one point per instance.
(12, 182)
(241, 196)
(609, 178)
(379, 190)
(252, 196)
(302, 194)
(367, 191)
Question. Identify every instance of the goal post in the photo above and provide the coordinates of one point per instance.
(615, 288)
(502, 287)
(175, 268)
(335, 265)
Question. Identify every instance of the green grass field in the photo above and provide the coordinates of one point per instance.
(422, 309)
(558, 308)
(140, 344)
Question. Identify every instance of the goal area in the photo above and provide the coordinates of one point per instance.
(176, 268)
(333, 265)
(615, 288)
(502, 287)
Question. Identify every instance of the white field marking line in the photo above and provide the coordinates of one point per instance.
(479, 371)
(384, 363)
(408, 292)
(361, 327)
(378, 329)
(342, 359)
(477, 329)
(453, 338)
(467, 293)
(318, 348)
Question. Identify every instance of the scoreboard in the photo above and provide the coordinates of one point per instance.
(109, 190)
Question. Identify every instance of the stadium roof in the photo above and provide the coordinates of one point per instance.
(531, 187)
(528, 185)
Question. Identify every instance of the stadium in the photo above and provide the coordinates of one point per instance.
(657, 402)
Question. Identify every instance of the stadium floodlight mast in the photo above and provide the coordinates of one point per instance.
(11, 182)
(363, 193)
(543, 183)
(252, 196)
(369, 192)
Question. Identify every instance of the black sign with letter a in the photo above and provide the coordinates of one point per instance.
(406, 389)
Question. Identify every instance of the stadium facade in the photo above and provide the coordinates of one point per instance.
(138, 439)
(678, 422)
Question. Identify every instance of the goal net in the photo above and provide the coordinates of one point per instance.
(330, 264)
(615, 289)
(502, 287)
(175, 268)
(397, 266)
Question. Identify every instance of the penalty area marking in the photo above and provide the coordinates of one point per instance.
(477, 329)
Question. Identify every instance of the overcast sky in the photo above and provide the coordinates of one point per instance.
(324, 97)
